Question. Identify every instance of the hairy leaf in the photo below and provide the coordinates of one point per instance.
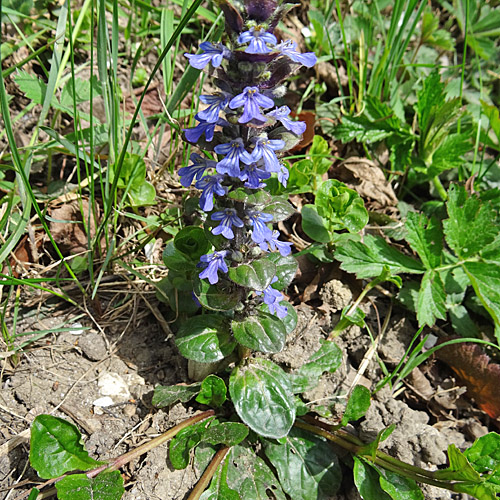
(426, 238)
(431, 302)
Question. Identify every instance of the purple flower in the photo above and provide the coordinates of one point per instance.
(265, 148)
(215, 262)
(218, 103)
(251, 99)
(210, 185)
(236, 152)
(195, 171)
(283, 175)
(273, 298)
(211, 53)
(273, 243)
(194, 134)
(289, 49)
(258, 39)
(253, 175)
(228, 218)
(260, 231)
(281, 114)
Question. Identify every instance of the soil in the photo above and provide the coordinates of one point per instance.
(67, 374)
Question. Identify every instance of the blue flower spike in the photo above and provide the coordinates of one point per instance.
(257, 38)
(210, 185)
(227, 218)
(212, 53)
(196, 170)
(289, 49)
(260, 231)
(281, 114)
(250, 99)
(265, 148)
(235, 153)
(214, 263)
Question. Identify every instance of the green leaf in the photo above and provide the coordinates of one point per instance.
(484, 456)
(431, 302)
(216, 297)
(192, 242)
(314, 225)
(257, 275)
(219, 489)
(227, 433)
(326, 359)
(176, 260)
(286, 268)
(358, 404)
(368, 259)
(262, 396)
(306, 464)
(105, 486)
(263, 332)
(472, 224)
(279, 208)
(250, 476)
(426, 238)
(166, 395)
(250, 197)
(182, 444)
(341, 206)
(367, 480)
(56, 447)
(34, 494)
(430, 98)
(493, 114)
(320, 154)
(399, 487)
(449, 153)
(213, 391)
(142, 195)
(361, 129)
(459, 469)
(205, 338)
(485, 279)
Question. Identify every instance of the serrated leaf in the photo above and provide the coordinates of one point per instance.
(286, 268)
(105, 486)
(449, 153)
(257, 275)
(485, 279)
(426, 238)
(430, 98)
(431, 302)
(182, 444)
(357, 405)
(216, 297)
(361, 129)
(472, 224)
(166, 395)
(262, 396)
(367, 259)
(326, 359)
(399, 487)
(213, 391)
(367, 480)
(263, 332)
(56, 447)
(205, 338)
(250, 476)
(306, 464)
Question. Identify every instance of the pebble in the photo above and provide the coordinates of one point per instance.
(93, 346)
(112, 384)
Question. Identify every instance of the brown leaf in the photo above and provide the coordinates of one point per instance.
(309, 117)
(480, 375)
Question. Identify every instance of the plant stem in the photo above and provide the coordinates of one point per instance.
(205, 479)
(440, 188)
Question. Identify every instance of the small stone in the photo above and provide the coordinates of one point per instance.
(129, 410)
(93, 346)
(103, 402)
(112, 384)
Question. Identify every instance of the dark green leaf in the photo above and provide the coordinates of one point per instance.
(279, 208)
(185, 441)
(449, 154)
(472, 224)
(250, 196)
(426, 238)
(205, 338)
(219, 489)
(314, 225)
(484, 456)
(56, 447)
(306, 464)
(105, 486)
(262, 395)
(485, 279)
(227, 433)
(166, 395)
(257, 275)
(216, 297)
(431, 302)
(213, 391)
(251, 477)
(263, 332)
(358, 404)
(367, 480)
(326, 359)
(399, 487)
(286, 267)
(361, 129)
(368, 259)
(430, 98)
(192, 242)
(459, 469)
(176, 260)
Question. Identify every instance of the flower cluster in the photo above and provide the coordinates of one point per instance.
(247, 127)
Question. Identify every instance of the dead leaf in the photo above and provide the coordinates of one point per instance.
(480, 375)
(368, 180)
(309, 117)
